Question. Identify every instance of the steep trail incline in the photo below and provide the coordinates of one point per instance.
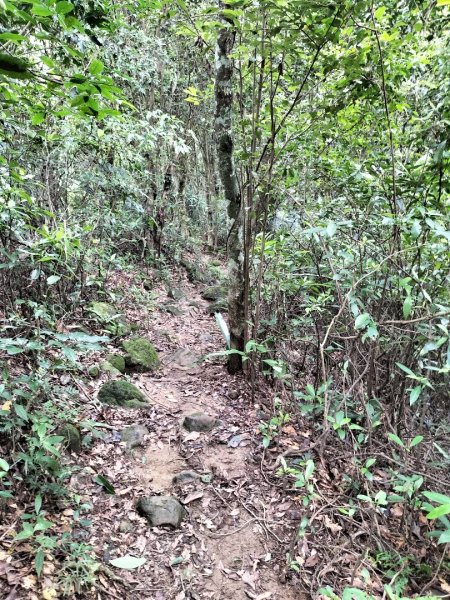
(233, 539)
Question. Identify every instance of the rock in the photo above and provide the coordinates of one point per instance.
(183, 358)
(72, 438)
(233, 394)
(134, 435)
(122, 393)
(214, 292)
(194, 274)
(107, 367)
(125, 526)
(141, 354)
(161, 510)
(110, 317)
(94, 371)
(199, 422)
(172, 309)
(175, 293)
(117, 361)
(218, 306)
(185, 477)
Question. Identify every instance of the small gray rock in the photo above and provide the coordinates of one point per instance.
(185, 477)
(172, 309)
(134, 435)
(161, 510)
(199, 422)
(175, 294)
(125, 526)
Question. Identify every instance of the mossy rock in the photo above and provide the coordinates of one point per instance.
(172, 310)
(194, 274)
(214, 292)
(219, 306)
(175, 294)
(94, 371)
(72, 438)
(140, 354)
(122, 393)
(110, 317)
(117, 361)
(106, 367)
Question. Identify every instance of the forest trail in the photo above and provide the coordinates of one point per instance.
(233, 540)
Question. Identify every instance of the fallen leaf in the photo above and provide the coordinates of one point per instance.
(250, 579)
(128, 562)
(312, 560)
(191, 497)
(333, 527)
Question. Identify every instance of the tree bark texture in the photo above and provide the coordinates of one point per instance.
(224, 141)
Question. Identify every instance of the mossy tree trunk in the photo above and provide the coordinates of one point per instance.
(224, 141)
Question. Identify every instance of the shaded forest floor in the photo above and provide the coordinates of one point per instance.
(241, 536)
(232, 543)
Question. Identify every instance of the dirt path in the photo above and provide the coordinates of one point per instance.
(233, 541)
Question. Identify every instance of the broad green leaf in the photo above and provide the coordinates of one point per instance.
(53, 279)
(4, 466)
(64, 7)
(37, 504)
(41, 10)
(396, 439)
(407, 306)
(436, 497)
(443, 3)
(415, 441)
(309, 470)
(21, 412)
(128, 562)
(96, 67)
(39, 561)
(439, 511)
(415, 394)
(362, 321)
(445, 537)
(109, 488)
(380, 12)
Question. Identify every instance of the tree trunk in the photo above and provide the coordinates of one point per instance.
(224, 141)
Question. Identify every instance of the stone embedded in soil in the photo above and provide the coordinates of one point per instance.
(134, 435)
(214, 292)
(175, 293)
(117, 361)
(140, 354)
(106, 367)
(172, 309)
(110, 318)
(126, 526)
(72, 438)
(161, 510)
(199, 422)
(186, 477)
(122, 393)
(94, 371)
